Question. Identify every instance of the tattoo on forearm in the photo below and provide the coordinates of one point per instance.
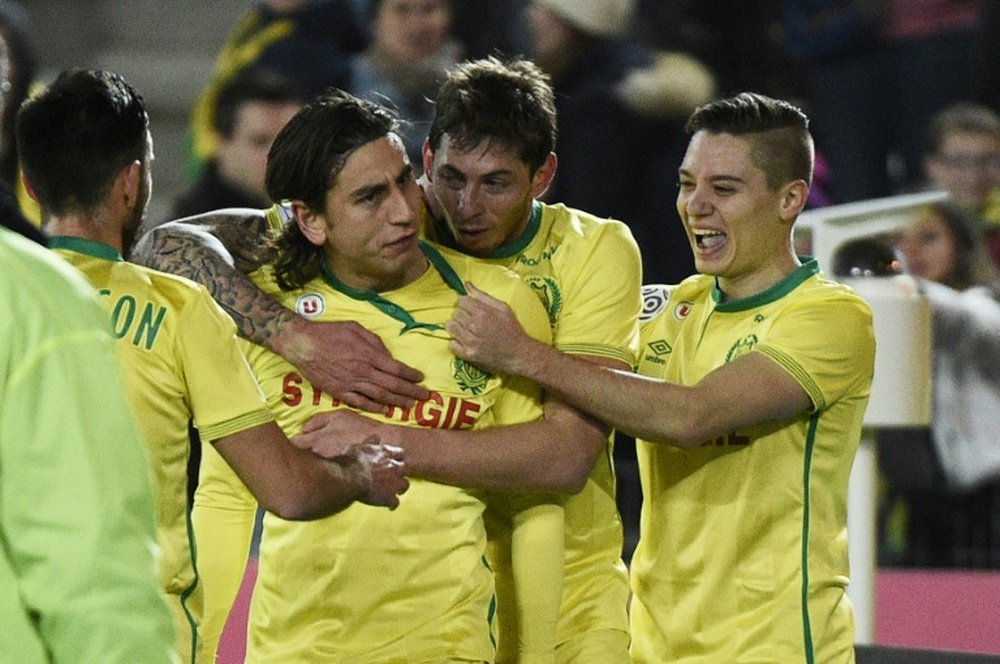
(218, 252)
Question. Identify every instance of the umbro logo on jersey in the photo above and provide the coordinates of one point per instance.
(659, 348)
(310, 305)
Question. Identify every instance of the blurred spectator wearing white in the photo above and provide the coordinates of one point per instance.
(621, 108)
(953, 506)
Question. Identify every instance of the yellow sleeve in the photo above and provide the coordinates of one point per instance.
(526, 553)
(526, 529)
(601, 296)
(827, 362)
(224, 395)
(223, 521)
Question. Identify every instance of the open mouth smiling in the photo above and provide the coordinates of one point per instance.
(707, 239)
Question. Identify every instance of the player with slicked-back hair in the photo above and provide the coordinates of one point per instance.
(753, 380)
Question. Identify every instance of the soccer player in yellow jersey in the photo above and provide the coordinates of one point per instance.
(488, 158)
(359, 587)
(86, 153)
(754, 377)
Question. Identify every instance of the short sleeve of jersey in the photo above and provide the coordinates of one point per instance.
(828, 359)
(225, 396)
(602, 302)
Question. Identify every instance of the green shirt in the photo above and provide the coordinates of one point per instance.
(77, 535)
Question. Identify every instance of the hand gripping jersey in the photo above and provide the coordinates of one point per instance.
(367, 584)
(742, 553)
(180, 361)
(587, 272)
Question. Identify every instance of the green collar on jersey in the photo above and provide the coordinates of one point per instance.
(808, 268)
(512, 248)
(84, 246)
(448, 275)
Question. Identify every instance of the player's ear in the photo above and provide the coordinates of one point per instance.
(542, 178)
(311, 223)
(129, 181)
(793, 199)
(26, 183)
(428, 159)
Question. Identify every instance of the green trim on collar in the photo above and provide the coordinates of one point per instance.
(518, 244)
(84, 246)
(514, 247)
(791, 281)
(447, 273)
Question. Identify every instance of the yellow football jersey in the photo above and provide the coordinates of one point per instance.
(587, 273)
(181, 361)
(742, 553)
(367, 584)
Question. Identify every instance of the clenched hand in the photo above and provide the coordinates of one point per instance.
(487, 333)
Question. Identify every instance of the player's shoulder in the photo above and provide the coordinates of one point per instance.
(571, 221)
(820, 290)
(35, 274)
(171, 286)
(187, 298)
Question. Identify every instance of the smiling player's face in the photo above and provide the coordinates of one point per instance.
(739, 228)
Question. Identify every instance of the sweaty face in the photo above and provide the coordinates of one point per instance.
(738, 228)
(371, 218)
(485, 193)
(928, 248)
(242, 157)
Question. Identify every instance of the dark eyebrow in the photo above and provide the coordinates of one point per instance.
(365, 191)
(500, 172)
(380, 188)
(716, 179)
(452, 170)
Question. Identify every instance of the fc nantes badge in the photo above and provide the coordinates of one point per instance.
(470, 377)
(548, 292)
(741, 347)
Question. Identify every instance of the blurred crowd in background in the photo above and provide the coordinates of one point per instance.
(903, 96)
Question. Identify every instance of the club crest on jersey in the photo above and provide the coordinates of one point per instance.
(548, 292)
(741, 347)
(310, 305)
(469, 377)
(654, 300)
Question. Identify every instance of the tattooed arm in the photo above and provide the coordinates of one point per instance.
(218, 249)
